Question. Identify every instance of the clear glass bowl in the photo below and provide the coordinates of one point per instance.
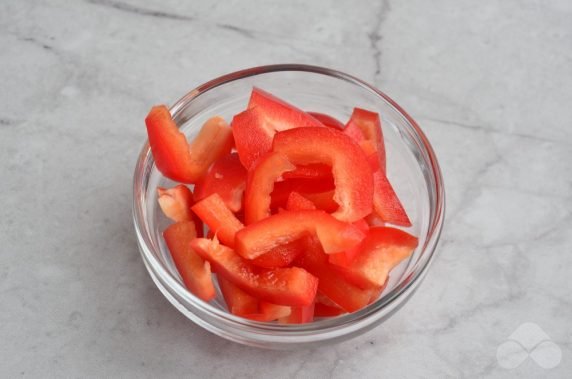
(412, 169)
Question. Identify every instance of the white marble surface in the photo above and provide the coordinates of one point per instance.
(489, 81)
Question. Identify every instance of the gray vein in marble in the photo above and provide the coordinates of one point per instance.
(124, 7)
(375, 35)
(242, 31)
(488, 129)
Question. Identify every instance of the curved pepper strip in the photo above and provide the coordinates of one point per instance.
(350, 168)
(254, 128)
(291, 286)
(260, 183)
(285, 227)
(174, 157)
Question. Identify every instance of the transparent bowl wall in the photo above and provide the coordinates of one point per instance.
(411, 167)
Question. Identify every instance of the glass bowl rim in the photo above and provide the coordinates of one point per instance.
(322, 326)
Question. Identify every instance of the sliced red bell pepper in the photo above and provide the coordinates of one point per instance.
(169, 146)
(279, 229)
(280, 256)
(323, 299)
(214, 212)
(237, 301)
(323, 200)
(344, 258)
(354, 132)
(195, 272)
(312, 171)
(176, 204)
(350, 169)
(270, 312)
(227, 177)
(370, 151)
(345, 294)
(304, 186)
(369, 124)
(326, 307)
(386, 204)
(282, 286)
(327, 120)
(172, 153)
(322, 310)
(254, 128)
(213, 141)
(382, 249)
(299, 315)
(260, 183)
(297, 202)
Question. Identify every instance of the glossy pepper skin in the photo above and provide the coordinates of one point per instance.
(194, 270)
(254, 128)
(285, 227)
(290, 286)
(214, 212)
(381, 250)
(260, 184)
(350, 168)
(331, 283)
(174, 157)
(364, 127)
(369, 124)
(227, 177)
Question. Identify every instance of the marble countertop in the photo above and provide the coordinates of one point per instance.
(490, 83)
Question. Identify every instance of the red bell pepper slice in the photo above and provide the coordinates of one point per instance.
(264, 235)
(327, 120)
(312, 171)
(306, 186)
(270, 312)
(382, 249)
(322, 310)
(214, 212)
(344, 258)
(386, 204)
(323, 200)
(282, 286)
(297, 202)
(195, 272)
(260, 183)
(369, 124)
(299, 315)
(227, 177)
(237, 301)
(354, 132)
(254, 128)
(280, 256)
(176, 204)
(345, 294)
(174, 157)
(350, 169)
